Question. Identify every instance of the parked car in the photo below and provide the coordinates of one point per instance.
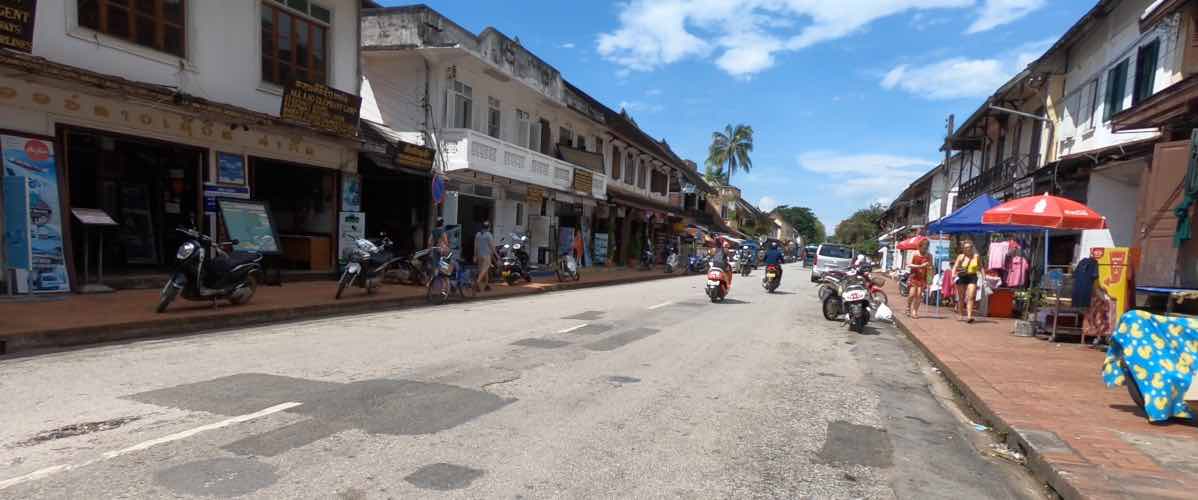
(830, 256)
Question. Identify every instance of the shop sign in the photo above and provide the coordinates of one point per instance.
(583, 180)
(230, 168)
(321, 107)
(535, 195)
(33, 160)
(214, 191)
(414, 156)
(352, 228)
(99, 112)
(351, 193)
(16, 24)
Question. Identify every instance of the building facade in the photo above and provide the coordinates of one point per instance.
(149, 110)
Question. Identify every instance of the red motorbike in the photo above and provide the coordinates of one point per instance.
(719, 282)
(875, 282)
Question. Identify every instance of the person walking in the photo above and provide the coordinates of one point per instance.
(578, 247)
(484, 248)
(965, 268)
(920, 265)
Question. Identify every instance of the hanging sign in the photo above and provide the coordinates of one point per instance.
(16, 24)
(321, 107)
(34, 160)
(535, 195)
(414, 156)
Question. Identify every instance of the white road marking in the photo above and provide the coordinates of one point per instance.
(572, 328)
(661, 305)
(45, 472)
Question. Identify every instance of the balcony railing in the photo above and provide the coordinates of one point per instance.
(999, 177)
(467, 149)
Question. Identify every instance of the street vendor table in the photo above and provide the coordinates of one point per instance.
(1177, 295)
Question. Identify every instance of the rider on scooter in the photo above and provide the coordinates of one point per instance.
(774, 257)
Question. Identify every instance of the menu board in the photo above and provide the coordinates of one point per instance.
(249, 222)
(321, 107)
(16, 24)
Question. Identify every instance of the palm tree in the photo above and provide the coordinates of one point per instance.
(715, 176)
(731, 149)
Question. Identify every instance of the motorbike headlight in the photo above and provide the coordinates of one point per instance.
(185, 250)
(516, 246)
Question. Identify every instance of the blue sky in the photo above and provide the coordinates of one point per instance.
(847, 97)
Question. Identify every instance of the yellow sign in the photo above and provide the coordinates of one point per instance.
(1114, 274)
(535, 195)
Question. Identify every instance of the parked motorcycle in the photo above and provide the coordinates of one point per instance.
(874, 282)
(719, 283)
(206, 272)
(413, 270)
(515, 260)
(773, 277)
(851, 301)
(567, 268)
(367, 263)
(695, 264)
(647, 257)
(904, 282)
(449, 278)
(671, 259)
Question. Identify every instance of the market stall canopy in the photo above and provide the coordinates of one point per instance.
(1045, 212)
(911, 243)
(968, 219)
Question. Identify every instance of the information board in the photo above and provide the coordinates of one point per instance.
(321, 107)
(250, 223)
(92, 217)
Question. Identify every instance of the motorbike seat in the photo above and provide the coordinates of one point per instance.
(234, 259)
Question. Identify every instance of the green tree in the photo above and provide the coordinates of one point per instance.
(861, 230)
(805, 222)
(715, 176)
(729, 151)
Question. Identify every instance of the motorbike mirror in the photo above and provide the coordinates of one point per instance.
(235, 241)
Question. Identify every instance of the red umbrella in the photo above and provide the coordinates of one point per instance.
(1047, 211)
(911, 243)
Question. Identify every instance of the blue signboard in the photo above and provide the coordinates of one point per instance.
(34, 159)
(17, 250)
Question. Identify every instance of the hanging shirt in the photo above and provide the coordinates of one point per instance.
(997, 256)
(1017, 271)
(1083, 282)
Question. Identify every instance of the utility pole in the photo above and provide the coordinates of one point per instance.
(948, 153)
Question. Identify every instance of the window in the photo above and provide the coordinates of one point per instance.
(642, 175)
(630, 168)
(522, 129)
(1116, 85)
(598, 145)
(157, 24)
(1085, 119)
(581, 143)
(616, 160)
(519, 214)
(565, 136)
(294, 42)
(1145, 71)
(493, 121)
(461, 99)
(544, 143)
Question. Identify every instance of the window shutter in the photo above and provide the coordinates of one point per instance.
(534, 136)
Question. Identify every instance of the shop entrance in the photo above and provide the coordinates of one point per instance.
(148, 187)
(303, 204)
(472, 211)
(395, 203)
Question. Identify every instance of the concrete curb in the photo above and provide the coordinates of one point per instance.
(1040, 467)
(84, 336)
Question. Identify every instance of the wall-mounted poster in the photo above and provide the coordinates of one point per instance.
(34, 159)
(17, 252)
(352, 228)
(599, 250)
(230, 168)
(351, 193)
(250, 223)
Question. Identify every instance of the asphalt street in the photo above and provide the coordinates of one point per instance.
(633, 391)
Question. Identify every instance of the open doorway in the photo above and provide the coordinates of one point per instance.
(472, 211)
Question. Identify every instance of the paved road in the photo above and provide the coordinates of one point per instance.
(632, 391)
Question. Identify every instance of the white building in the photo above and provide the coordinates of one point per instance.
(140, 101)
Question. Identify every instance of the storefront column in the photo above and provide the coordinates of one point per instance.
(625, 236)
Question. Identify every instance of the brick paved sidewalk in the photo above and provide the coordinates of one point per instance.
(1083, 439)
(84, 319)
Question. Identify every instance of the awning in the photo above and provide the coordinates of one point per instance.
(652, 206)
(383, 142)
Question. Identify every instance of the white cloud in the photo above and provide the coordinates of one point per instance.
(567, 45)
(960, 77)
(861, 179)
(995, 13)
(641, 107)
(745, 36)
(767, 203)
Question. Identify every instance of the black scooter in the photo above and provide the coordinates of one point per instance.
(205, 272)
(515, 260)
(367, 264)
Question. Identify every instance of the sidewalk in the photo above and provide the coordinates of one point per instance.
(86, 319)
(1083, 439)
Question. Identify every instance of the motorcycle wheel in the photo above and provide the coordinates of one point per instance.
(772, 286)
(831, 308)
(858, 324)
(511, 280)
(342, 283)
(466, 290)
(577, 275)
(251, 285)
(169, 292)
(371, 287)
(825, 291)
(1133, 389)
(560, 278)
(437, 291)
(879, 297)
(744, 271)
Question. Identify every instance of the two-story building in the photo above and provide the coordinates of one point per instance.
(147, 110)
